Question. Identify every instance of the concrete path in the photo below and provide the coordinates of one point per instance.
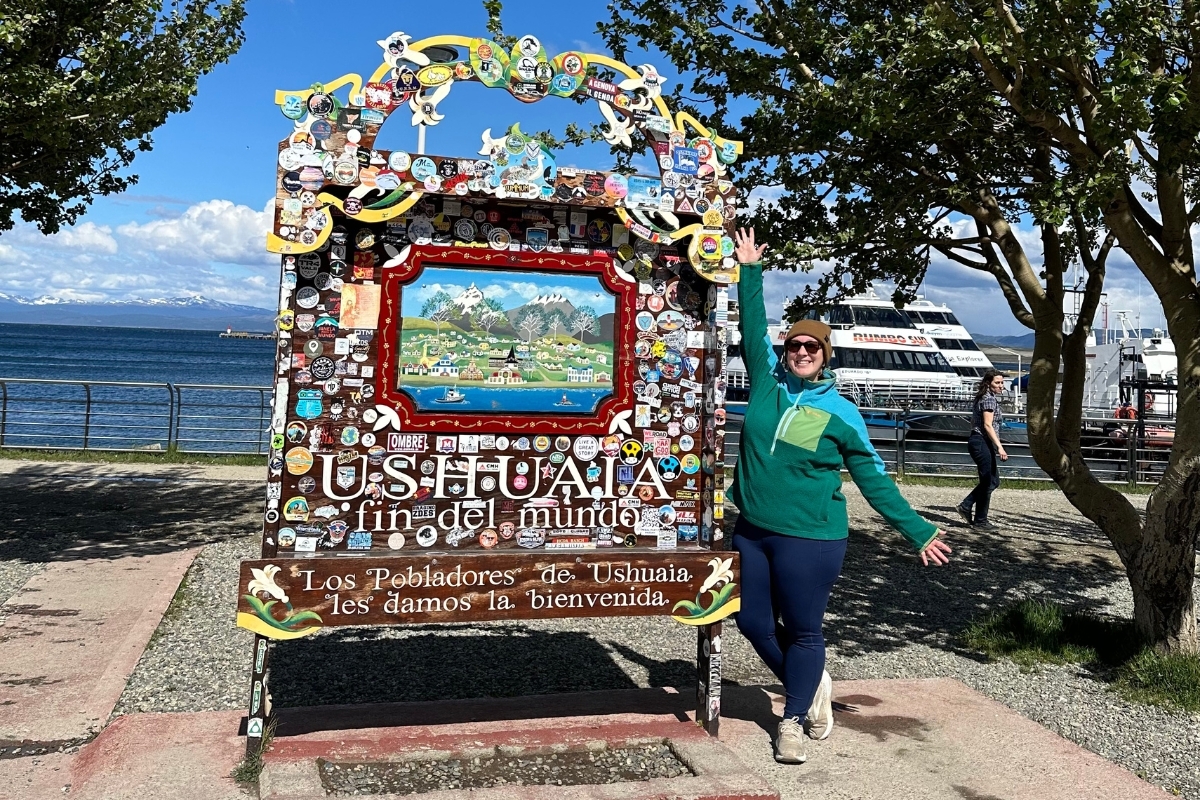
(70, 639)
(931, 739)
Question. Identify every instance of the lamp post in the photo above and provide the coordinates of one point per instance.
(1017, 391)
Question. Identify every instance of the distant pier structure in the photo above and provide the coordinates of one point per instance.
(230, 333)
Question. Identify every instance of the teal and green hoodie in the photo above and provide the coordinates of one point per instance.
(795, 439)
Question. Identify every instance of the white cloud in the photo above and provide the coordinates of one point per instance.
(215, 230)
(215, 248)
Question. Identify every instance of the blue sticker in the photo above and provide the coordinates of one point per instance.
(308, 403)
(359, 540)
(686, 160)
(422, 168)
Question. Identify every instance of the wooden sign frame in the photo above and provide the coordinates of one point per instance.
(546, 442)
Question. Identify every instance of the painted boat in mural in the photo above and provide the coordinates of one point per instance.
(451, 395)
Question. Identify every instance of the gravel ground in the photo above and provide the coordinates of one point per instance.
(640, 763)
(888, 617)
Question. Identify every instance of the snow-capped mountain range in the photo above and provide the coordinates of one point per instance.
(193, 312)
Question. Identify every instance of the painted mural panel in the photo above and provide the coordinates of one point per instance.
(506, 341)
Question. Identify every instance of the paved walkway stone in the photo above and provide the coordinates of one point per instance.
(71, 637)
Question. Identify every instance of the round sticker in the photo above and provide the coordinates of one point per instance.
(287, 537)
(642, 348)
(670, 320)
(611, 445)
(655, 303)
(691, 424)
(499, 239)
(586, 448)
(465, 230)
(507, 530)
(631, 452)
(520, 482)
(322, 368)
(501, 442)
(616, 185)
(308, 297)
(686, 442)
(396, 540)
(644, 320)
(562, 443)
(426, 535)
(690, 463)
(313, 348)
(423, 168)
(299, 460)
(399, 161)
(488, 538)
(306, 484)
(420, 230)
(541, 443)
(487, 483)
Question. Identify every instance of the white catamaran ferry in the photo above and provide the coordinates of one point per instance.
(881, 356)
(951, 338)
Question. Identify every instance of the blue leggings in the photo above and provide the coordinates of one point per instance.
(788, 577)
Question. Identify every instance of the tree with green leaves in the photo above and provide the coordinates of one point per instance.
(892, 133)
(532, 323)
(584, 321)
(85, 86)
(486, 314)
(437, 309)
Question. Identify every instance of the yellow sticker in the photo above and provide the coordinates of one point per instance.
(435, 74)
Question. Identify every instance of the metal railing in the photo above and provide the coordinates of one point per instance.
(933, 444)
(125, 416)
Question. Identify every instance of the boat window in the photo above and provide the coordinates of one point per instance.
(948, 344)
(914, 316)
(968, 344)
(877, 317)
(858, 358)
(951, 319)
(840, 315)
(969, 372)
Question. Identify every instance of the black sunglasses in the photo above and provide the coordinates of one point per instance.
(810, 347)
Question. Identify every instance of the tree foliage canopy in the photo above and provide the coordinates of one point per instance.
(86, 82)
(891, 131)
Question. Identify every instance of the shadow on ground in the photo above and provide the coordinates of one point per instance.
(65, 518)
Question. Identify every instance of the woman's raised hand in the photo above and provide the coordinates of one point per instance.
(744, 248)
(936, 552)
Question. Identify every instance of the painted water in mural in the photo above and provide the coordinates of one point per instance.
(493, 341)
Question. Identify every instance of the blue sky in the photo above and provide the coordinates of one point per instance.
(196, 221)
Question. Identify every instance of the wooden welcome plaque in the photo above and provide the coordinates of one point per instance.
(500, 382)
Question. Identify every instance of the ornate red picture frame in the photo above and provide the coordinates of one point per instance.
(459, 415)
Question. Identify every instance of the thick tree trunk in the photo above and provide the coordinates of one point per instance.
(1159, 553)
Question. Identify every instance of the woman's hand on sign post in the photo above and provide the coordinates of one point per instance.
(744, 247)
(936, 552)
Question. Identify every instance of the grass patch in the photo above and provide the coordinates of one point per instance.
(248, 770)
(1162, 680)
(170, 456)
(1033, 632)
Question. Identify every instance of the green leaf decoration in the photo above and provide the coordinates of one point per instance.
(390, 199)
(301, 616)
(692, 609)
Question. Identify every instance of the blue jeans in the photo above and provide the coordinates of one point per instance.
(984, 457)
(788, 577)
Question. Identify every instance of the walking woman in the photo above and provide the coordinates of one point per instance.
(984, 446)
(792, 531)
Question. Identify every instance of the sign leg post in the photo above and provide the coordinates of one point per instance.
(259, 719)
(708, 663)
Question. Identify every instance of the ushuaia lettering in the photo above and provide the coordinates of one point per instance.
(627, 573)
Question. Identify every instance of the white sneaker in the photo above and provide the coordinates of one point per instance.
(818, 724)
(789, 743)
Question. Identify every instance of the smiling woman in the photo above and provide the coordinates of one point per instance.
(792, 530)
